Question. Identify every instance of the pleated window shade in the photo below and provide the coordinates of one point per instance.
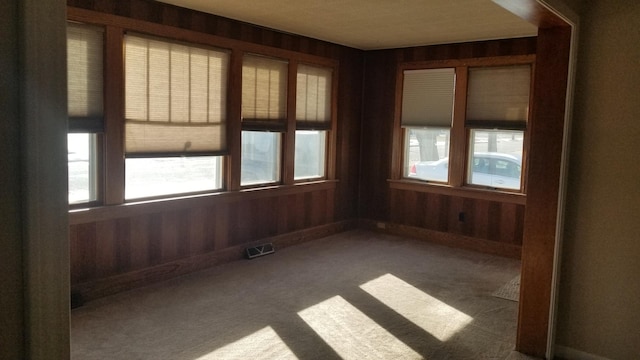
(313, 97)
(264, 89)
(499, 93)
(427, 97)
(85, 71)
(175, 97)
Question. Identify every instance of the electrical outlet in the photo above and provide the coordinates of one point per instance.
(381, 225)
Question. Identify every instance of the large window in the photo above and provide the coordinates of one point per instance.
(264, 118)
(475, 113)
(427, 114)
(175, 116)
(85, 109)
(313, 120)
(163, 112)
(496, 117)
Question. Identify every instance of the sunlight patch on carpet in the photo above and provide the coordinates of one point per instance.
(510, 290)
(434, 316)
(352, 334)
(262, 344)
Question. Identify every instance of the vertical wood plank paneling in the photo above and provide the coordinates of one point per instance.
(318, 206)
(105, 248)
(184, 233)
(154, 229)
(83, 252)
(519, 224)
(169, 236)
(411, 212)
(494, 221)
(212, 214)
(270, 205)
(221, 234)
(507, 222)
(123, 244)
(481, 219)
(284, 219)
(197, 231)
(445, 204)
(299, 212)
(330, 207)
(140, 255)
(455, 207)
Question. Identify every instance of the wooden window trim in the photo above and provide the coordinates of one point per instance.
(460, 131)
(112, 146)
(181, 201)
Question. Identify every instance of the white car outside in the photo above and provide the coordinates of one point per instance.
(495, 170)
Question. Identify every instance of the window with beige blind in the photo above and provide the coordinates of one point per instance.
(264, 118)
(175, 116)
(487, 106)
(313, 121)
(426, 118)
(496, 118)
(85, 109)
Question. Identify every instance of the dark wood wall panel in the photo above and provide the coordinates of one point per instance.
(117, 246)
(482, 219)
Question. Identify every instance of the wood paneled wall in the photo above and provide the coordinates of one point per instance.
(116, 245)
(484, 219)
(480, 219)
(110, 244)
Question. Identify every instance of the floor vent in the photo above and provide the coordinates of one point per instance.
(260, 250)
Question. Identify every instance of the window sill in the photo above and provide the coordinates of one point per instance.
(101, 213)
(465, 192)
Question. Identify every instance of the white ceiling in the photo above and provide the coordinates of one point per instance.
(375, 24)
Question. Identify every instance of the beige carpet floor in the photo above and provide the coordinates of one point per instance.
(355, 295)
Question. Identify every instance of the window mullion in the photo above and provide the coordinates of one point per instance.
(457, 155)
(288, 145)
(113, 177)
(234, 128)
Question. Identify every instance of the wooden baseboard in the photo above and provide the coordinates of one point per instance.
(114, 284)
(447, 239)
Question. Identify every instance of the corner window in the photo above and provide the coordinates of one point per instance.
(310, 154)
(82, 168)
(313, 121)
(427, 114)
(264, 118)
(497, 114)
(85, 110)
(495, 159)
(260, 158)
(465, 126)
(175, 116)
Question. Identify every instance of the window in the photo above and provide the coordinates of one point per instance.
(481, 118)
(175, 117)
(497, 113)
(264, 118)
(427, 114)
(153, 114)
(85, 109)
(313, 120)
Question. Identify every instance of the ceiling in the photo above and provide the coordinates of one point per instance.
(375, 24)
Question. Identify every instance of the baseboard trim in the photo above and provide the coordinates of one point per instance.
(565, 352)
(114, 284)
(446, 239)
